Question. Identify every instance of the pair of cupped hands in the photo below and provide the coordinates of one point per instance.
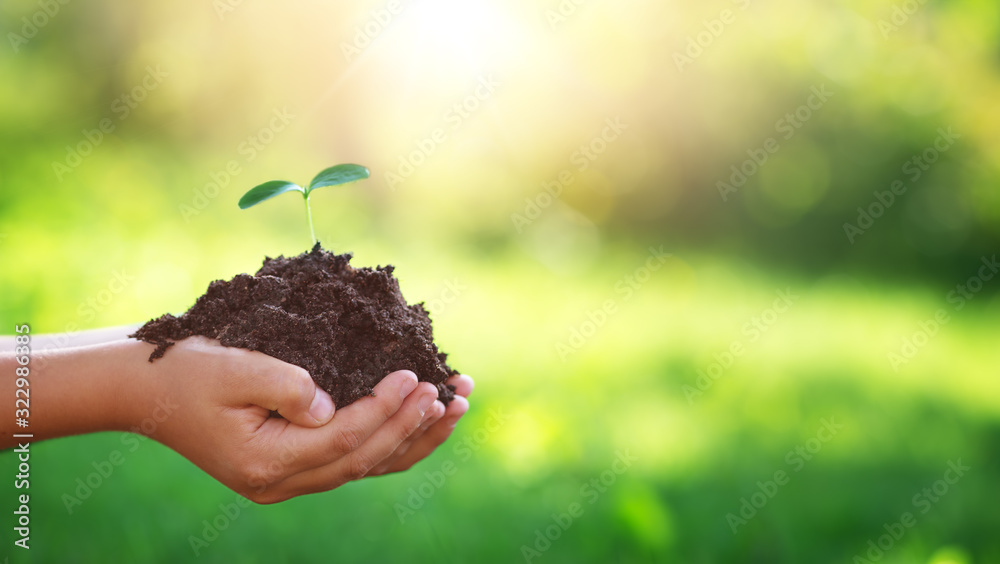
(221, 402)
(216, 406)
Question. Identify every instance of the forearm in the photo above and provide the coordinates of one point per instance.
(52, 341)
(71, 391)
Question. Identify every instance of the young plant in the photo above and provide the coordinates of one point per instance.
(333, 176)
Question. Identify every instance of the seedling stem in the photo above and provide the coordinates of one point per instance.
(333, 176)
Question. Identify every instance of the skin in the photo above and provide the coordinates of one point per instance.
(214, 404)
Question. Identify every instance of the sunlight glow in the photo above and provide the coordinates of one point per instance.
(470, 36)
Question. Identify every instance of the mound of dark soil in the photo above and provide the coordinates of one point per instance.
(349, 327)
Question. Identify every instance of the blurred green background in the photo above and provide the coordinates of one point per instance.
(585, 346)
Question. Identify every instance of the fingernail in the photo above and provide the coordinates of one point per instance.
(428, 413)
(322, 406)
(425, 402)
(408, 386)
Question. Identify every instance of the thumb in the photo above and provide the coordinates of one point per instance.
(289, 390)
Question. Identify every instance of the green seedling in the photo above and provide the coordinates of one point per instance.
(333, 176)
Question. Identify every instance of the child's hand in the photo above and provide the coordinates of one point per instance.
(218, 401)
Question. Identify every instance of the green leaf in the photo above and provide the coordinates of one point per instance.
(267, 190)
(339, 174)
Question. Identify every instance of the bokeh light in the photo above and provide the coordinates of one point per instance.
(539, 157)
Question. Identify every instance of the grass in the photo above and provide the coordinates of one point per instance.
(825, 358)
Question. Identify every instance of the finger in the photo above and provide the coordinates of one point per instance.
(463, 384)
(285, 388)
(463, 387)
(352, 425)
(430, 440)
(431, 416)
(379, 446)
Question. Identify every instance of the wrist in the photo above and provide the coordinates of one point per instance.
(131, 384)
(87, 389)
